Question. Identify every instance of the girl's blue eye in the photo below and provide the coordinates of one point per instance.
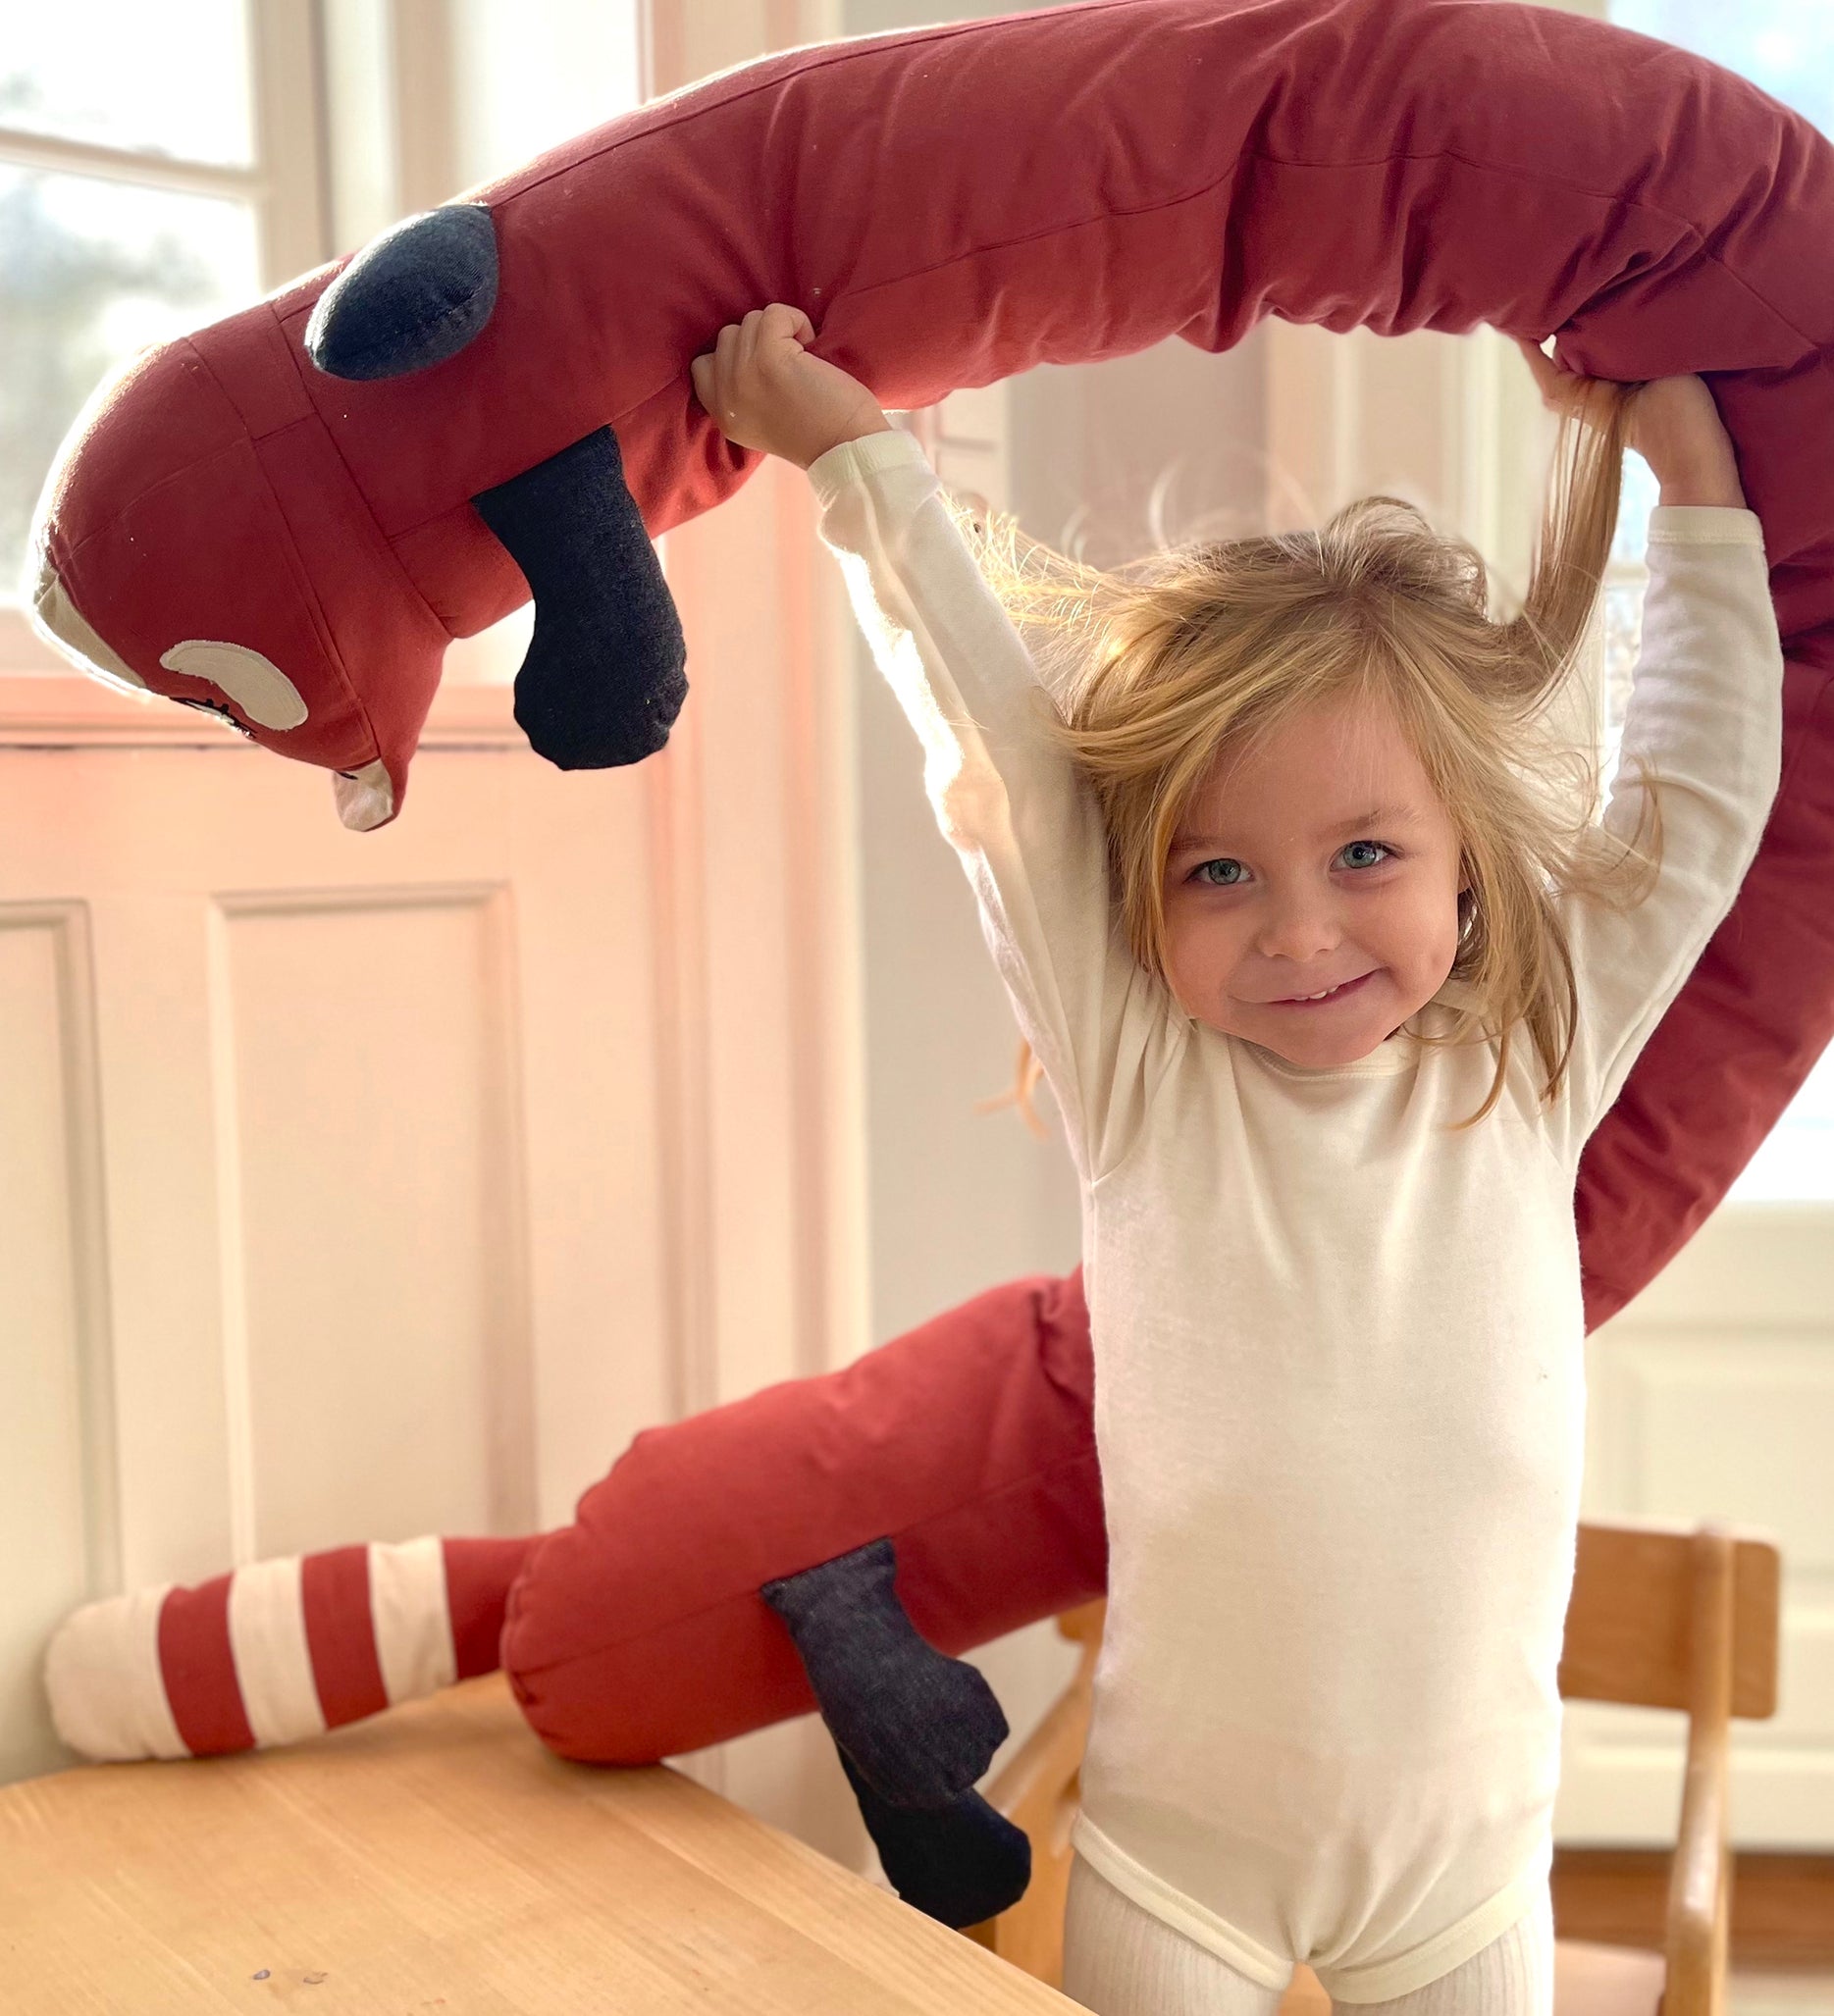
(1201, 873)
(1379, 848)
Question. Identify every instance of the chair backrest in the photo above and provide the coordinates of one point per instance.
(1039, 1791)
(1633, 1634)
(1631, 1623)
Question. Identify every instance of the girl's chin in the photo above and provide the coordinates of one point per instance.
(1314, 1040)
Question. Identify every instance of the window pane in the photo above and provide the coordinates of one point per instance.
(169, 79)
(91, 271)
(1786, 47)
(1623, 596)
(1796, 1164)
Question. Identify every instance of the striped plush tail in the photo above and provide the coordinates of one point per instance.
(279, 1650)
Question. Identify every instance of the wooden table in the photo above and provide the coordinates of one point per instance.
(438, 1859)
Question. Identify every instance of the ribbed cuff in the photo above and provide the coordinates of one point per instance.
(830, 474)
(1720, 525)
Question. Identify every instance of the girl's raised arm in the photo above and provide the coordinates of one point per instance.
(1005, 795)
(1706, 720)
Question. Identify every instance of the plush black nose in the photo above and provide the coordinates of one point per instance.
(605, 671)
(414, 296)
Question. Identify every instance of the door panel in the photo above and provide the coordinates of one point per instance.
(405, 1222)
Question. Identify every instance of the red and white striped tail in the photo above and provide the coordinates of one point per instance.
(276, 1651)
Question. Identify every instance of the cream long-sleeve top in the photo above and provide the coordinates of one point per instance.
(1339, 1375)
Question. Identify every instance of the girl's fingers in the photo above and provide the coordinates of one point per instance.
(1559, 389)
(781, 319)
(713, 371)
(778, 337)
(739, 342)
(733, 372)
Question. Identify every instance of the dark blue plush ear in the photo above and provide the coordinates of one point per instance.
(605, 675)
(414, 296)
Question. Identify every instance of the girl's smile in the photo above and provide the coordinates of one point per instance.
(1325, 999)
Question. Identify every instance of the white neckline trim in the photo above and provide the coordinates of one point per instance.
(1382, 1062)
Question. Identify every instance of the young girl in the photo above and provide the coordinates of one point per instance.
(1331, 973)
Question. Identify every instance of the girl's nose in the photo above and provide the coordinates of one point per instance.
(1299, 928)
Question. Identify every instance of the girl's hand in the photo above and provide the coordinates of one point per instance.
(767, 391)
(1674, 425)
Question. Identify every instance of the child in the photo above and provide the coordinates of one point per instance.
(1330, 980)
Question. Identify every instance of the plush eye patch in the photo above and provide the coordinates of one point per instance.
(259, 688)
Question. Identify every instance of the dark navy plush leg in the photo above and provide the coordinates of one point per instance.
(603, 677)
(919, 1726)
(961, 1865)
(414, 296)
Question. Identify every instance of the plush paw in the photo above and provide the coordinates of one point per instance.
(919, 1726)
(961, 1865)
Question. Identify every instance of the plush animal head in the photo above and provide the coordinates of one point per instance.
(192, 532)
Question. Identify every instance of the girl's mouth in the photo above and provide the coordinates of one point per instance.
(1330, 996)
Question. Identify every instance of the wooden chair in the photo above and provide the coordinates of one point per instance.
(1661, 1617)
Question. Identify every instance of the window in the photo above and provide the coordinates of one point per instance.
(154, 174)
(1787, 48)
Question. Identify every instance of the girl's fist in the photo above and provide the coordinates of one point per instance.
(1673, 424)
(767, 391)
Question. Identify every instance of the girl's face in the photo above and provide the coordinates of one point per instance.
(1321, 860)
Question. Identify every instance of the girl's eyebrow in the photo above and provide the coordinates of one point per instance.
(1382, 816)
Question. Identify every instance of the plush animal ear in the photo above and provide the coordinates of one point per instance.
(414, 296)
(603, 677)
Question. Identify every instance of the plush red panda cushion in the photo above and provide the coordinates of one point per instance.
(952, 206)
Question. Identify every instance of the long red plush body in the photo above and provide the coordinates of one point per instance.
(951, 207)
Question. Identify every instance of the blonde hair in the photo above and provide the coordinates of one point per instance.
(1167, 661)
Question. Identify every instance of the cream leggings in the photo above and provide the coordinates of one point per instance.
(1120, 1960)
